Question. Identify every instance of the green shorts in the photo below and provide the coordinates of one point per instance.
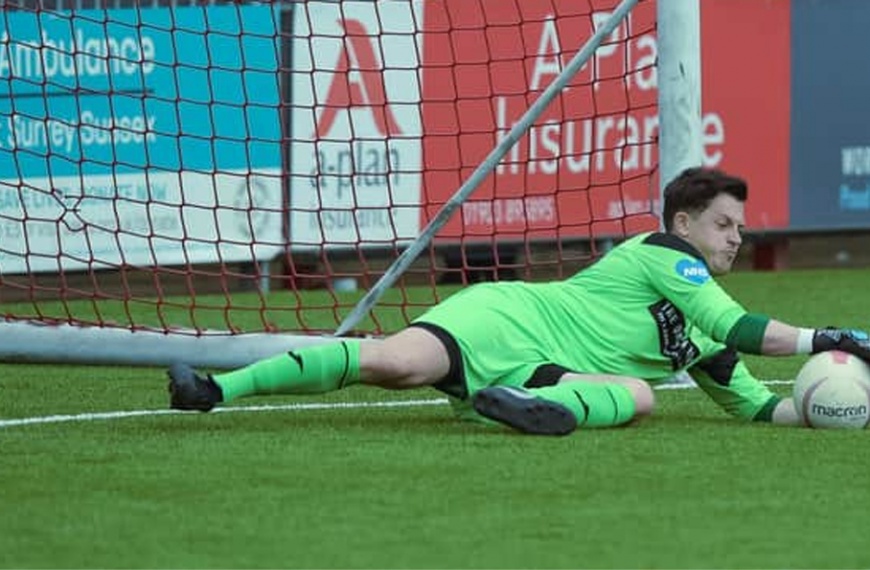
(485, 347)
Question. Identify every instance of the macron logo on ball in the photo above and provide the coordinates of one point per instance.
(693, 270)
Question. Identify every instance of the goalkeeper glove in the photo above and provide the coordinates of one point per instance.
(853, 341)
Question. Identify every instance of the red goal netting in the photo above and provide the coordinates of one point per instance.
(253, 167)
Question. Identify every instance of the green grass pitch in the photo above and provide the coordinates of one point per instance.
(410, 487)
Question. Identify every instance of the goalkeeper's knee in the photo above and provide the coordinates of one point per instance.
(612, 403)
(644, 399)
(601, 403)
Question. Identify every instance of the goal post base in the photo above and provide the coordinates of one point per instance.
(26, 342)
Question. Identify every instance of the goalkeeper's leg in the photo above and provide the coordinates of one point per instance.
(577, 401)
(309, 370)
(409, 359)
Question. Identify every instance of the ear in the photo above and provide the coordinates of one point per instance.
(681, 224)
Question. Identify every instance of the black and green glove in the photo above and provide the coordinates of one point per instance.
(853, 341)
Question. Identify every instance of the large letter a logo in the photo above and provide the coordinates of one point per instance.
(358, 82)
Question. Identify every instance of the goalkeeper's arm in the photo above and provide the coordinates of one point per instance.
(757, 334)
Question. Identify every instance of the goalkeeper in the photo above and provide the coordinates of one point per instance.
(548, 358)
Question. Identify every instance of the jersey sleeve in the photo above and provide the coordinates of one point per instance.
(727, 380)
(678, 272)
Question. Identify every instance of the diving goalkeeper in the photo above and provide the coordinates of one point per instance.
(548, 358)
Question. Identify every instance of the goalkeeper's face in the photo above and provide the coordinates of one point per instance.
(716, 232)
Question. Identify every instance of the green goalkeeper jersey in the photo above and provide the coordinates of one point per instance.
(648, 309)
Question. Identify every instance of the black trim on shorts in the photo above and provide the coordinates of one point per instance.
(453, 384)
(546, 375)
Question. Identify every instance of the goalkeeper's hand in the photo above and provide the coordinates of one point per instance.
(853, 341)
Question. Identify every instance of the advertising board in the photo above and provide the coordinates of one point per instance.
(135, 137)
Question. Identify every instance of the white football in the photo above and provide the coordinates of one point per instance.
(832, 390)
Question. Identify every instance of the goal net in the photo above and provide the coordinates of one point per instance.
(244, 173)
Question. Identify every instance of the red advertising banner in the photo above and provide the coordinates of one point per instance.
(588, 165)
(745, 57)
(587, 160)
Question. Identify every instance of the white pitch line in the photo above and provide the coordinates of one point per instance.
(691, 384)
(94, 416)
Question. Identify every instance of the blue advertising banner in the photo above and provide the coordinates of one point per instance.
(125, 134)
(830, 129)
(92, 86)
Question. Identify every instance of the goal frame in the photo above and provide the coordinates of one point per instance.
(680, 146)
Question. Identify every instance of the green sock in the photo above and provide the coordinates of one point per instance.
(595, 404)
(310, 370)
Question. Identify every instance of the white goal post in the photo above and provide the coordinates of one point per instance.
(680, 146)
(679, 82)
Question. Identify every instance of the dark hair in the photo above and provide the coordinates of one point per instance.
(694, 189)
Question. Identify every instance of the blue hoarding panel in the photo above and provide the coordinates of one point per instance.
(86, 92)
(146, 136)
(830, 160)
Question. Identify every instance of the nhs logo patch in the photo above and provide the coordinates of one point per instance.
(693, 270)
